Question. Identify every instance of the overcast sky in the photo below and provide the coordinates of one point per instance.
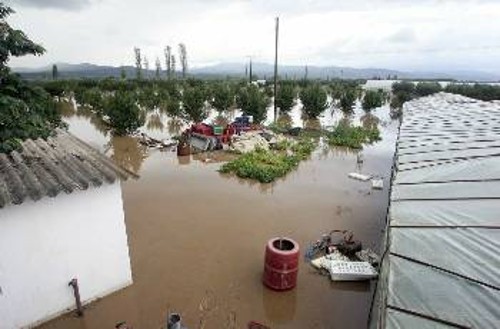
(396, 34)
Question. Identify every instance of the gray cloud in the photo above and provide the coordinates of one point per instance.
(57, 4)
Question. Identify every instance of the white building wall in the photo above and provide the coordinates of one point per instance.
(44, 244)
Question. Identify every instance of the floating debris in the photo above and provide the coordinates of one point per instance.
(377, 184)
(351, 271)
(155, 143)
(368, 255)
(341, 256)
(359, 176)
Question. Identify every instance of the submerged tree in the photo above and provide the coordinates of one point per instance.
(372, 100)
(314, 99)
(26, 111)
(124, 114)
(138, 63)
(183, 59)
(286, 97)
(347, 100)
(253, 101)
(222, 97)
(193, 102)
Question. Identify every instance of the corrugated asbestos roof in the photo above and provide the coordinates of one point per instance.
(441, 266)
(62, 163)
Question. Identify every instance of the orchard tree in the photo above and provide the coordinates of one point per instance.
(222, 97)
(253, 101)
(347, 99)
(427, 88)
(193, 102)
(26, 111)
(372, 100)
(125, 116)
(286, 97)
(314, 99)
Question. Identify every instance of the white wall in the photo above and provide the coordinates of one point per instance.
(44, 244)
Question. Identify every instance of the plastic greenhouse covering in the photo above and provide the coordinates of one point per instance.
(441, 263)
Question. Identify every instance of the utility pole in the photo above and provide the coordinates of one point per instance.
(276, 69)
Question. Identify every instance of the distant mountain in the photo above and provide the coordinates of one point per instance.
(260, 70)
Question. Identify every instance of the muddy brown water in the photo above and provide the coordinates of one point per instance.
(197, 237)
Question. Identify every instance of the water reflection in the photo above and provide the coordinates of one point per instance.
(285, 120)
(154, 122)
(127, 152)
(174, 126)
(346, 120)
(362, 286)
(213, 157)
(312, 124)
(66, 109)
(265, 188)
(369, 121)
(184, 160)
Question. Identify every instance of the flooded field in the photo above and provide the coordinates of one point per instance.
(197, 237)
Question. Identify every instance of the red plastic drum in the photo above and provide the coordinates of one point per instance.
(281, 264)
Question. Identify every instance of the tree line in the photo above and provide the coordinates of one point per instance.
(170, 61)
(404, 91)
(192, 99)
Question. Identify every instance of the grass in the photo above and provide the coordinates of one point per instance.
(353, 137)
(266, 166)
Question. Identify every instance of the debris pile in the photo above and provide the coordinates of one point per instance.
(342, 257)
(155, 143)
(248, 142)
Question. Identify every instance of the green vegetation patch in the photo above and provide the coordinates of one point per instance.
(353, 137)
(266, 166)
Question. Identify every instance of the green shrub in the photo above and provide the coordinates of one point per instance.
(372, 100)
(267, 165)
(353, 137)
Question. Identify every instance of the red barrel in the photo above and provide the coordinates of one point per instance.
(281, 264)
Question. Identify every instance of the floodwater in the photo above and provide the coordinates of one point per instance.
(197, 237)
